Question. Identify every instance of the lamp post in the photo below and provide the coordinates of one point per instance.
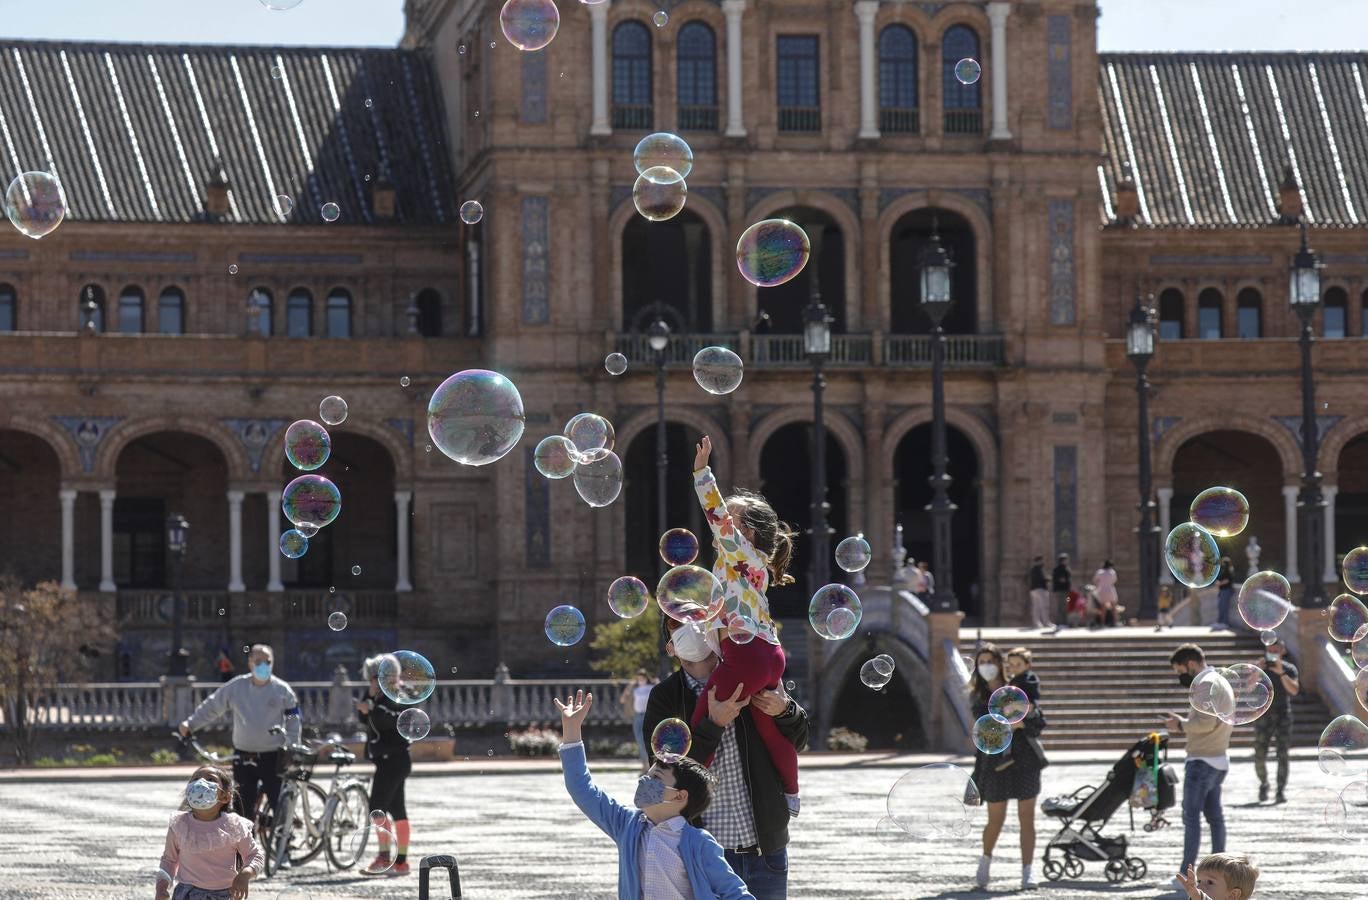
(817, 346)
(1304, 295)
(1140, 337)
(177, 535)
(658, 336)
(936, 299)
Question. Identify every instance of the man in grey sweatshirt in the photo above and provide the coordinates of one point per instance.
(259, 701)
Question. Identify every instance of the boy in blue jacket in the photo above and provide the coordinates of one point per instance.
(660, 855)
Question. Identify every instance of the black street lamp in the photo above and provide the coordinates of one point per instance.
(817, 346)
(1304, 295)
(177, 537)
(1140, 338)
(658, 337)
(936, 299)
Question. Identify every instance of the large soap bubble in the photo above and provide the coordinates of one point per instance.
(1211, 694)
(293, 544)
(834, 612)
(663, 149)
(1193, 555)
(406, 677)
(1009, 703)
(853, 554)
(1265, 600)
(1348, 618)
(1251, 690)
(590, 431)
(628, 597)
(678, 547)
(332, 410)
(307, 445)
(312, 500)
(555, 456)
(690, 594)
(671, 740)
(476, 417)
(599, 481)
(934, 801)
(413, 724)
(35, 203)
(529, 24)
(1343, 747)
(659, 193)
(772, 251)
(1221, 510)
(1355, 569)
(992, 735)
(717, 370)
(876, 672)
(564, 626)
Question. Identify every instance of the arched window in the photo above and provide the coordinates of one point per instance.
(632, 108)
(1171, 315)
(1249, 314)
(898, 102)
(131, 310)
(799, 82)
(9, 308)
(171, 311)
(429, 304)
(1209, 303)
(1336, 314)
(339, 314)
(260, 306)
(696, 71)
(963, 104)
(299, 313)
(91, 308)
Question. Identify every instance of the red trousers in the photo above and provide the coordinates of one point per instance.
(757, 665)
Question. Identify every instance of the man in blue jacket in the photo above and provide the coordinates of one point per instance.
(660, 855)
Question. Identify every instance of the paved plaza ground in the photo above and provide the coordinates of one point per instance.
(517, 835)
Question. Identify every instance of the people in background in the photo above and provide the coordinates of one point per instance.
(1039, 586)
(1225, 589)
(1061, 582)
(1276, 724)
(1107, 601)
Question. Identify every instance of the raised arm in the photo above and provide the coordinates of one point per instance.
(733, 543)
(611, 817)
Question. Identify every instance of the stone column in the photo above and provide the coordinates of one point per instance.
(107, 541)
(1290, 532)
(943, 630)
(273, 539)
(68, 500)
(598, 16)
(1330, 574)
(401, 511)
(736, 126)
(235, 584)
(998, 11)
(865, 11)
(1165, 495)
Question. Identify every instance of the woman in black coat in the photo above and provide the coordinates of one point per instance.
(390, 752)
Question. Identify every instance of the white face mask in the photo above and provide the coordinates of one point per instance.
(692, 644)
(987, 671)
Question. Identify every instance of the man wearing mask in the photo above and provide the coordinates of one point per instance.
(1208, 740)
(748, 816)
(259, 702)
(1277, 722)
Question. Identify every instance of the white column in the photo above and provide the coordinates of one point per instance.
(107, 541)
(1290, 531)
(736, 126)
(1330, 573)
(998, 11)
(1165, 499)
(68, 498)
(401, 512)
(865, 11)
(598, 17)
(235, 542)
(273, 537)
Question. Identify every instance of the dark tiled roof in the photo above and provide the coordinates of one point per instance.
(133, 130)
(1208, 135)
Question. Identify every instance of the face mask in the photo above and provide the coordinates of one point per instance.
(1271, 657)
(987, 671)
(202, 794)
(692, 644)
(649, 791)
(262, 671)
(1186, 679)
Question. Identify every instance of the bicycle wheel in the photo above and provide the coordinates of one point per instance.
(264, 816)
(350, 816)
(306, 829)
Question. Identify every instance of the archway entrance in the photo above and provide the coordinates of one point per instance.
(31, 526)
(1351, 503)
(784, 304)
(667, 271)
(641, 496)
(889, 717)
(909, 238)
(1249, 464)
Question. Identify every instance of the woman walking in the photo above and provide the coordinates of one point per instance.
(1105, 581)
(638, 692)
(389, 750)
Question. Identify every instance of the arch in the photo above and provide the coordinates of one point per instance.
(645, 420)
(1172, 314)
(1167, 447)
(1210, 307)
(961, 104)
(338, 313)
(171, 311)
(9, 308)
(90, 308)
(667, 264)
(1249, 313)
(850, 654)
(848, 224)
(400, 453)
(30, 530)
(633, 82)
(978, 433)
(1334, 442)
(899, 80)
(125, 433)
(716, 224)
(979, 223)
(59, 440)
(261, 300)
(911, 235)
(696, 76)
(132, 310)
(299, 313)
(837, 425)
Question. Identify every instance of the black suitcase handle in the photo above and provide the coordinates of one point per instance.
(445, 861)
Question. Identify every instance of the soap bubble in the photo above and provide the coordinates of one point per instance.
(661, 18)
(599, 481)
(992, 735)
(671, 740)
(887, 832)
(934, 801)
(876, 673)
(663, 149)
(1009, 703)
(1265, 600)
(1359, 653)
(284, 204)
(1355, 570)
(293, 544)
(968, 71)
(659, 193)
(1268, 638)
(690, 594)
(628, 597)
(1348, 618)
(678, 547)
(772, 251)
(404, 381)
(1361, 686)
(834, 612)
(354, 847)
(888, 660)
(337, 621)
(555, 456)
(332, 410)
(615, 363)
(1221, 510)
(413, 724)
(717, 370)
(406, 677)
(307, 445)
(356, 570)
(312, 499)
(853, 553)
(308, 529)
(590, 431)
(529, 24)
(564, 626)
(472, 211)
(1343, 747)
(330, 212)
(1192, 555)
(475, 417)
(35, 203)
(1211, 694)
(1252, 691)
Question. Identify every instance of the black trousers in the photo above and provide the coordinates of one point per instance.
(387, 787)
(1267, 729)
(256, 774)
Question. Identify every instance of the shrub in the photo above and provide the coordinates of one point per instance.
(534, 742)
(844, 739)
(610, 747)
(164, 757)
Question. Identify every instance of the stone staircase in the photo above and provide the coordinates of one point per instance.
(1104, 689)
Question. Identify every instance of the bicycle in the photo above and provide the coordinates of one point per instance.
(262, 814)
(309, 820)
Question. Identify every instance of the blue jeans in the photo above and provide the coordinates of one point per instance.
(1223, 605)
(638, 731)
(1201, 797)
(765, 876)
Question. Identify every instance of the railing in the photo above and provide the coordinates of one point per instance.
(157, 606)
(800, 118)
(894, 610)
(698, 118)
(788, 350)
(899, 121)
(680, 350)
(632, 116)
(960, 350)
(964, 121)
(102, 707)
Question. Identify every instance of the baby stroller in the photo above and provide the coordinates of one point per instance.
(1141, 777)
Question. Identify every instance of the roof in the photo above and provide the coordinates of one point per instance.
(1208, 135)
(133, 131)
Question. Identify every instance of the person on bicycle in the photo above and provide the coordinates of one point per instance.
(260, 702)
(390, 752)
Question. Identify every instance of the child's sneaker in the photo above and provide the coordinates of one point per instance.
(378, 866)
(399, 869)
(794, 802)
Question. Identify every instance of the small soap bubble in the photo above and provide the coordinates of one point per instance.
(876, 673)
(772, 251)
(834, 612)
(663, 149)
(461, 49)
(333, 410)
(307, 445)
(330, 211)
(1268, 638)
(275, 72)
(661, 18)
(406, 677)
(555, 456)
(356, 570)
(659, 193)
(678, 547)
(741, 630)
(1348, 618)
(992, 735)
(337, 621)
(1009, 703)
(35, 203)
(475, 417)
(472, 211)
(615, 363)
(529, 24)
(232, 269)
(308, 529)
(1193, 555)
(968, 71)
(311, 499)
(790, 685)
(564, 626)
(718, 370)
(628, 597)
(358, 841)
(1221, 510)
(1355, 570)
(284, 204)
(413, 724)
(690, 594)
(404, 381)
(1264, 600)
(368, 106)
(853, 554)
(671, 740)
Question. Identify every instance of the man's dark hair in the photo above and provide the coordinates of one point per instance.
(690, 775)
(668, 626)
(1187, 653)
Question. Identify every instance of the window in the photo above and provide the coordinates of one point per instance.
(299, 313)
(9, 308)
(962, 102)
(800, 107)
(696, 70)
(898, 111)
(171, 311)
(429, 304)
(131, 310)
(1209, 304)
(1249, 314)
(339, 314)
(1334, 324)
(90, 309)
(1171, 315)
(632, 76)
(259, 304)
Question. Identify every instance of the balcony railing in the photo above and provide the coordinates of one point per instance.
(800, 118)
(632, 117)
(964, 121)
(786, 350)
(157, 606)
(698, 118)
(960, 350)
(899, 121)
(679, 352)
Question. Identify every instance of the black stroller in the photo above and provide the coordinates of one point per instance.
(1141, 777)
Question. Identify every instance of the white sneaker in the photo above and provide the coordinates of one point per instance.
(1028, 881)
(981, 879)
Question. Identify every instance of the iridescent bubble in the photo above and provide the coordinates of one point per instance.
(312, 499)
(1221, 510)
(472, 211)
(1211, 694)
(356, 570)
(1192, 555)
(628, 597)
(293, 544)
(284, 204)
(1343, 747)
(330, 211)
(590, 431)
(834, 612)
(1355, 569)
(1265, 600)
(678, 547)
(1009, 703)
(307, 445)
(475, 417)
(934, 801)
(1252, 691)
(406, 677)
(35, 203)
(968, 71)
(690, 594)
(599, 482)
(661, 18)
(529, 24)
(615, 363)
(1359, 653)
(992, 735)
(1268, 638)
(772, 251)
(663, 149)
(1361, 686)
(671, 740)
(564, 626)
(659, 193)
(853, 554)
(1348, 618)
(308, 529)
(337, 621)
(875, 673)
(555, 456)
(717, 370)
(332, 410)
(281, 4)
(741, 629)
(413, 724)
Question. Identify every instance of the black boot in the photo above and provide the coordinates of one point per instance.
(1263, 792)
